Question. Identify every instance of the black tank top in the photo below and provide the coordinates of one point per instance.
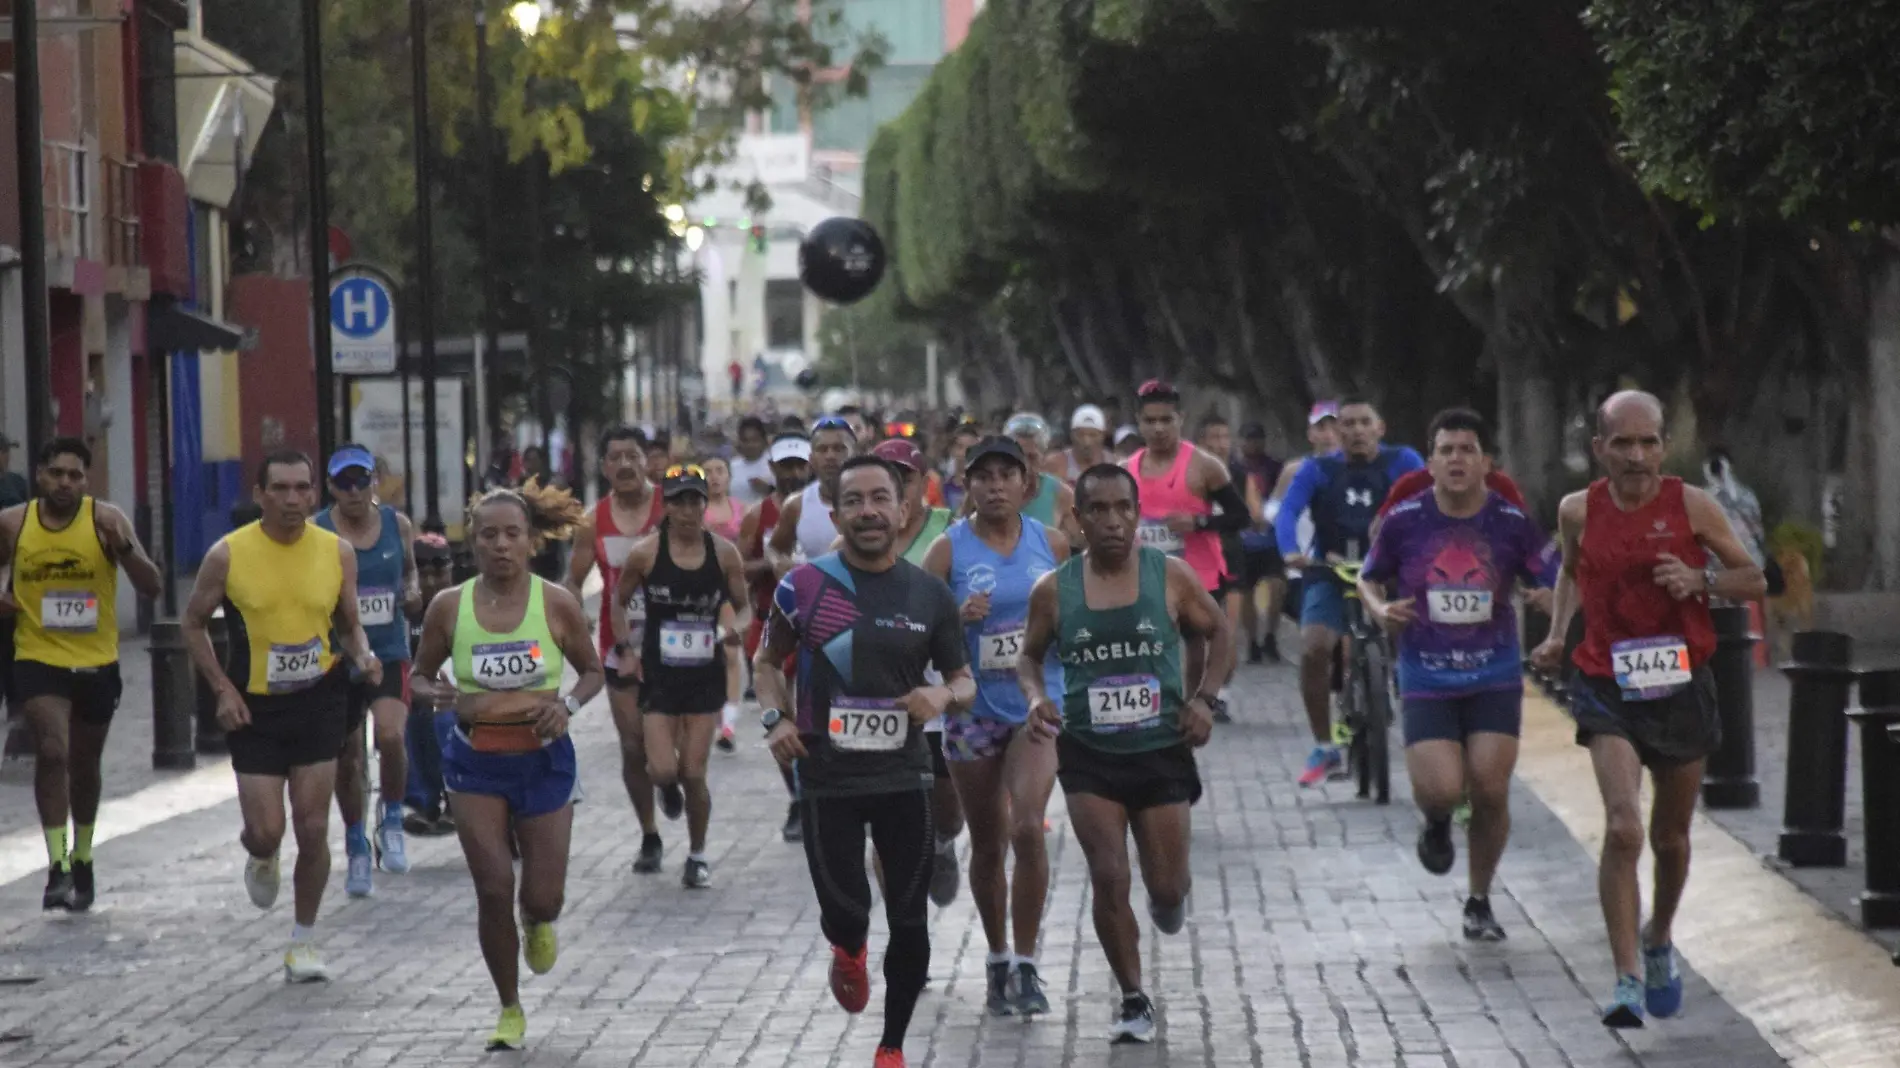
(681, 646)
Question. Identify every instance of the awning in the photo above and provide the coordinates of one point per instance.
(171, 328)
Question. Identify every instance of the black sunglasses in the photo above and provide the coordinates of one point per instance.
(353, 478)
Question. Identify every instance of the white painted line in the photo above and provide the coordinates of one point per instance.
(1823, 994)
(23, 853)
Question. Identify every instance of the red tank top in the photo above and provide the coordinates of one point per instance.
(1615, 577)
(754, 549)
(611, 546)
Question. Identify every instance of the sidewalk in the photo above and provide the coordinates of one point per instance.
(1314, 939)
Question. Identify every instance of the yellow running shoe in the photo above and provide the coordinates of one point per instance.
(511, 1031)
(540, 948)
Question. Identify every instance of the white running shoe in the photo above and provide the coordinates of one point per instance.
(261, 880)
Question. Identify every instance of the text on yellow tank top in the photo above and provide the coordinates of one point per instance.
(278, 604)
(67, 589)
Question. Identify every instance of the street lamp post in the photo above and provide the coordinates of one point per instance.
(485, 144)
(319, 233)
(425, 260)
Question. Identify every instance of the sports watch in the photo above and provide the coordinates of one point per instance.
(1708, 581)
(771, 718)
(573, 707)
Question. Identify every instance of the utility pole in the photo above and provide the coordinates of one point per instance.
(318, 173)
(425, 261)
(40, 424)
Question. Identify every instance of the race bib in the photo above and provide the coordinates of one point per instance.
(375, 606)
(294, 667)
(1156, 535)
(72, 611)
(1124, 702)
(508, 665)
(1650, 668)
(637, 608)
(999, 646)
(687, 643)
(1458, 607)
(868, 725)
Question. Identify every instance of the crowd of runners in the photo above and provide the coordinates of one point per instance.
(936, 630)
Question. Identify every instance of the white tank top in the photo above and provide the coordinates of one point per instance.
(815, 529)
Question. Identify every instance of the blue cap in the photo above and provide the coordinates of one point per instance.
(351, 456)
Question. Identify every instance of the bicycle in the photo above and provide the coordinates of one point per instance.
(1368, 695)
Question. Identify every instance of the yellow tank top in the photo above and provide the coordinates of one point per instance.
(278, 603)
(66, 588)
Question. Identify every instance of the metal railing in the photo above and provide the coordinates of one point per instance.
(69, 193)
(124, 226)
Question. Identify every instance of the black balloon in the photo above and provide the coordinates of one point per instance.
(807, 380)
(841, 260)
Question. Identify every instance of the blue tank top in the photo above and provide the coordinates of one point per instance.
(379, 588)
(995, 643)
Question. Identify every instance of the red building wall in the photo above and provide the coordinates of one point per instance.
(277, 381)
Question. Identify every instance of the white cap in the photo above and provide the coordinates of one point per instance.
(789, 448)
(1089, 417)
(1124, 432)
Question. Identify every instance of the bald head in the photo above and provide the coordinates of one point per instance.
(1629, 410)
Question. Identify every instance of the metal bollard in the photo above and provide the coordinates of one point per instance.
(1820, 676)
(1879, 719)
(210, 731)
(1728, 780)
(174, 698)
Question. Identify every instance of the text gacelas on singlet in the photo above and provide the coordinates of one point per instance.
(1106, 652)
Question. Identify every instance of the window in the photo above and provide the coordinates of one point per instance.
(784, 314)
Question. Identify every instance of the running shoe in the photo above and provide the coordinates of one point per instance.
(725, 742)
(1136, 1020)
(261, 879)
(1030, 1000)
(59, 889)
(1662, 981)
(1321, 763)
(445, 824)
(511, 1031)
(672, 801)
(1168, 920)
(303, 963)
(1462, 814)
(651, 850)
(794, 827)
(540, 948)
(358, 882)
(945, 877)
(82, 886)
(392, 846)
(888, 1058)
(419, 823)
(1255, 653)
(1626, 1005)
(1435, 848)
(1480, 924)
(696, 875)
(850, 980)
(999, 1001)
(1219, 707)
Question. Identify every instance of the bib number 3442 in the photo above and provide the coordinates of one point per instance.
(1650, 668)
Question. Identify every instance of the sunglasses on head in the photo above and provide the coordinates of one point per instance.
(352, 478)
(835, 422)
(900, 430)
(685, 471)
(1155, 387)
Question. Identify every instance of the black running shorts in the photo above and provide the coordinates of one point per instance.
(1135, 781)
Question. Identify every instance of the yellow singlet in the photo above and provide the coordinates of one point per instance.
(278, 603)
(67, 590)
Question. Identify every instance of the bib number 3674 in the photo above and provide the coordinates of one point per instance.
(1650, 668)
(868, 725)
(294, 667)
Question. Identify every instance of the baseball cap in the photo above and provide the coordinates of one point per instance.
(433, 549)
(1027, 424)
(1253, 430)
(1124, 432)
(900, 451)
(789, 447)
(1322, 411)
(995, 446)
(1088, 417)
(681, 479)
(351, 456)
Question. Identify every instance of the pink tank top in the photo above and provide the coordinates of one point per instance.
(1164, 496)
(729, 529)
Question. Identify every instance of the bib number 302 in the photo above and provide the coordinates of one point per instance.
(1650, 668)
(868, 725)
(1458, 607)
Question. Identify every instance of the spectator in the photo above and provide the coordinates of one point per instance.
(1736, 499)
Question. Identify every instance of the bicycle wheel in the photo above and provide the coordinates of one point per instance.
(1378, 724)
(1361, 752)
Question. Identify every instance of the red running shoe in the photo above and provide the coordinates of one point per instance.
(888, 1058)
(851, 982)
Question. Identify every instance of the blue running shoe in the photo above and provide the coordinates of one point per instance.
(392, 844)
(1320, 764)
(1626, 1005)
(1662, 981)
(357, 882)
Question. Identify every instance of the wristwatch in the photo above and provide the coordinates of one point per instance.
(573, 707)
(771, 718)
(1708, 580)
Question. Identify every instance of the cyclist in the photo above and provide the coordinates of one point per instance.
(1344, 490)
(1454, 552)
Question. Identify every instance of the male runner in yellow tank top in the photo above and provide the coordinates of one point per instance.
(65, 550)
(284, 583)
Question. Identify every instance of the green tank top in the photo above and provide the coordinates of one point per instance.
(525, 658)
(1121, 666)
(1042, 507)
(935, 525)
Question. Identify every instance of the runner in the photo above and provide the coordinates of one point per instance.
(1130, 713)
(509, 761)
(1344, 490)
(1088, 434)
(687, 573)
(990, 561)
(962, 438)
(65, 550)
(751, 468)
(1127, 441)
(385, 588)
(804, 530)
(1639, 559)
(285, 585)
(604, 539)
(1189, 501)
(1257, 473)
(865, 626)
(1454, 552)
(1216, 438)
(1048, 500)
(724, 512)
(657, 453)
(791, 471)
(427, 798)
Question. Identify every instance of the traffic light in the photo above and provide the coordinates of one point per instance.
(758, 240)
